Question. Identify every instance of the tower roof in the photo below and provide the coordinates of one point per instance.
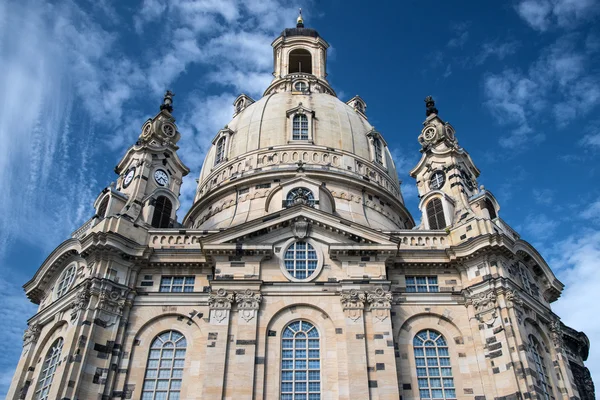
(299, 30)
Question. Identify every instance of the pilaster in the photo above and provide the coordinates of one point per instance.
(353, 304)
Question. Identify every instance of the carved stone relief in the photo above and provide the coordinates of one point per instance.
(219, 303)
(248, 303)
(380, 302)
(353, 303)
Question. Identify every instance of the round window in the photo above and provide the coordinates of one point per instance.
(66, 280)
(437, 180)
(300, 195)
(301, 260)
(301, 86)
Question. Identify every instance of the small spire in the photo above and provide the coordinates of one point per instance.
(430, 105)
(168, 102)
(299, 20)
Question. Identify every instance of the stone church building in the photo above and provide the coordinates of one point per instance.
(298, 273)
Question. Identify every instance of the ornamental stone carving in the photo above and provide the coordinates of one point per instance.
(380, 302)
(248, 303)
(485, 305)
(353, 303)
(32, 334)
(81, 301)
(556, 333)
(220, 304)
(300, 229)
(513, 299)
(112, 301)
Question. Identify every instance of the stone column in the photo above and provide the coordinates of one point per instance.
(24, 379)
(219, 303)
(242, 362)
(383, 378)
(353, 304)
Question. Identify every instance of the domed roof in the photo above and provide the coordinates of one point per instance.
(267, 123)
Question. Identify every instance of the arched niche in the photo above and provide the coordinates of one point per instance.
(300, 60)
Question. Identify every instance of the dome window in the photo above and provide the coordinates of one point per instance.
(162, 213)
(220, 154)
(301, 86)
(435, 214)
(65, 281)
(300, 61)
(300, 127)
(300, 196)
(378, 151)
(103, 207)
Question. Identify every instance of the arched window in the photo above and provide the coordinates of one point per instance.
(102, 207)
(162, 213)
(301, 260)
(434, 371)
(65, 280)
(238, 107)
(300, 362)
(540, 366)
(300, 196)
(220, 154)
(300, 127)
(48, 368)
(164, 371)
(435, 214)
(300, 61)
(378, 150)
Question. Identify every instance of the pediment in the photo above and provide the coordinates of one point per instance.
(299, 221)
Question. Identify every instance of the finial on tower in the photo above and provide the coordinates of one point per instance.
(299, 20)
(168, 102)
(430, 105)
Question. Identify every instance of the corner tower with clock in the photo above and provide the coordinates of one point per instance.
(447, 178)
(150, 173)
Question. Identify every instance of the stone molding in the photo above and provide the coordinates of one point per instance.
(219, 303)
(380, 303)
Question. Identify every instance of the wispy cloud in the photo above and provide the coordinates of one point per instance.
(542, 15)
(559, 82)
(537, 228)
(543, 196)
(461, 34)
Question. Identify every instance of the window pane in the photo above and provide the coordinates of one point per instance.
(162, 355)
(428, 346)
(300, 366)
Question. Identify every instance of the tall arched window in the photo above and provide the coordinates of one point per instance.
(434, 371)
(48, 368)
(300, 362)
(164, 371)
(300, 127)
(103, 207)
(540, 367)
(220, 154)
(378, 150)
(435, 214)
(162, 213)
(300, 61)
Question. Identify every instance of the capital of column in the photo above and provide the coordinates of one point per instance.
(221, 300)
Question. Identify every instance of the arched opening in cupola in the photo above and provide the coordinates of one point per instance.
(162, 213)
(300, 61)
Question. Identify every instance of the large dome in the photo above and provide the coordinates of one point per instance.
(298, 144)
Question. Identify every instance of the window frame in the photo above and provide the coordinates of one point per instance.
(428, 285)
(427, 361)
(220, 150)
(159, 224)
(436, 214)
(159, 367)
(319, 260)
(171, 284)
(290, 350)
(541, 368)
(290, 202)
(378, 151)
(46, 376)
(303, 132)
(62, 285)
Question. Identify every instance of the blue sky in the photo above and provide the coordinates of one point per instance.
(519, 80)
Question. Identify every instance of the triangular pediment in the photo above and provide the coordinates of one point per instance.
(290, 222)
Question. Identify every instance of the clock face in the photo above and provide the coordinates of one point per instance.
(161, 177)
(129, 177)
(429, 133)
(437, 180)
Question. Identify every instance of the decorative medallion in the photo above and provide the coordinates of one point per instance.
(300, 229)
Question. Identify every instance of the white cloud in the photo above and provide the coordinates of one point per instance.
(592, 212)
(496, 49)
(591, 140)
(559, 81)
(576, 263)
(461, 34)
(542, 15)
(537, 227)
